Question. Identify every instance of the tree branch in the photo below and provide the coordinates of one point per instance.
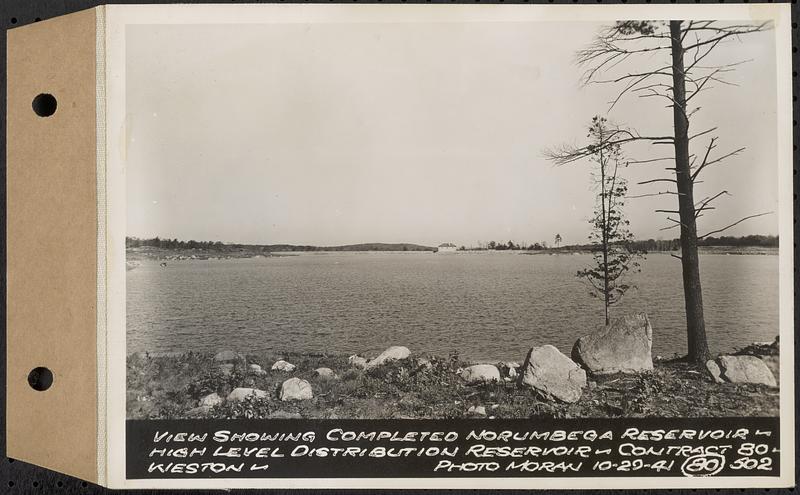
(705, 202)
(656, 180)
(568, 154)
(716, 160)
(660, 193)
(733, 224)
(728, 34)
(702, 133)
(629, 162)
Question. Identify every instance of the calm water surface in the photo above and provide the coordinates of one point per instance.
(486, 306)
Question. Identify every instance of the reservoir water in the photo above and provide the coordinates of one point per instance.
(486, 306)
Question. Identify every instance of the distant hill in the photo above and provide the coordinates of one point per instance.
(219, 247)
(371, 246)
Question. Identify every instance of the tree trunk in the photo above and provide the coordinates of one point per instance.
(605, 230)
(692, 292)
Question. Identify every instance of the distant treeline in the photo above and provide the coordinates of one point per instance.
(727, 241)
(641, 245)
(219, 247)
(510, 245)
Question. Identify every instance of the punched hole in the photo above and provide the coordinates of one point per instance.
(44, 105)
(40, 378)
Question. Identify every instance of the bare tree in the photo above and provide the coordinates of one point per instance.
(678, 52)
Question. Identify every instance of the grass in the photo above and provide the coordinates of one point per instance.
(170, 387)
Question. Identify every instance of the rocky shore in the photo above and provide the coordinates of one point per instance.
(609, 373)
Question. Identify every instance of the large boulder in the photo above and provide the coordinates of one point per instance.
(624, 346)
(741, 369)
(480, 373)
(393, 353)
(769, 352)
(296, 389)
(774, 365)
(552, 374)
(241, 393)
(714, 371)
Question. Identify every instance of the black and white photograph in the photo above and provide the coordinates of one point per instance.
(447, 219)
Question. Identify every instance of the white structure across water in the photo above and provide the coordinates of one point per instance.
(446, 248)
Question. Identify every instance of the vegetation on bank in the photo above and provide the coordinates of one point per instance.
(423, 387)
(157, 248)
(220, 247)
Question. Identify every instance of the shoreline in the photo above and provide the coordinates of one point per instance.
(420, 386)
(155, 254)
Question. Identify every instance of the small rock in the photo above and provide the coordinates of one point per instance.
(282, 365)
(592, 385)
(229, 357)
(480, 373)
(241, 393)
(393, 353)
(408, 400)
(477, 411)
(284, 415)
(296, 389)
(424, 364)
(254, 368)
(358, 361)
(325, 373)
(226, 369)
(552, 374)
(508, 370)
(624, 346)
(210, 400)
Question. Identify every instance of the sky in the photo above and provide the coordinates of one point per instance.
(331, 134)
